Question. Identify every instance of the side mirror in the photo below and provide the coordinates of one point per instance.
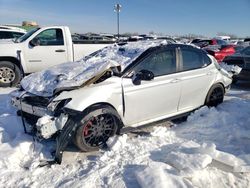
(34, 42)
(142, 75)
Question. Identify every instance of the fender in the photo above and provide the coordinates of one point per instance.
(13, 60)
(109, 92)
(13, 52)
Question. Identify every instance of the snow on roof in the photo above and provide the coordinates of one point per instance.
(74, 74)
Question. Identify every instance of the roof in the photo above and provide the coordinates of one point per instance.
(16, 29)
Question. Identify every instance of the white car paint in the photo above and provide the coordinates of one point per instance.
(162, 97)
(147, 102)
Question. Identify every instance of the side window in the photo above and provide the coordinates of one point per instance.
(5, 35)
(192, 59)
(50, 37)
(160, 63)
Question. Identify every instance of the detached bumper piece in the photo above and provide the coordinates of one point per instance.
(64, 138)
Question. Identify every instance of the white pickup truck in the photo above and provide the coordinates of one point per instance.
(39, 49)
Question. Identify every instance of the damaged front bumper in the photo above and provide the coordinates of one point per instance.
(42, 117)
(38, 119)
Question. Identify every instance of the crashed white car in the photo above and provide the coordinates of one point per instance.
(119, 86)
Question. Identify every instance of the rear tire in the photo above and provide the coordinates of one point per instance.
(95, 128)
(10, 74)
(215, 95)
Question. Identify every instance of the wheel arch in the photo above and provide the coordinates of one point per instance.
(100, 105)
(94, 106)
(14, 61)
(217, 83)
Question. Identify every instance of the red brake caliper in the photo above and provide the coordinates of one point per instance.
(86, 128)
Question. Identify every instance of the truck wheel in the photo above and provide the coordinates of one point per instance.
(10, 74)
(215, 95)
(95, 128)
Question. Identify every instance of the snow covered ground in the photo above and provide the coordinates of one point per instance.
(210, 149)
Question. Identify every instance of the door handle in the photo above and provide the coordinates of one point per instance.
(60, 50)
(175, 80)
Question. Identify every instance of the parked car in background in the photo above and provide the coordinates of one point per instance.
(242, 59)
(206, 42)
(91, 100)
(93, 38)
(12, 28)
(220, 52)
(226, 38)
(6, 33)
(39, 49)
(247, 40)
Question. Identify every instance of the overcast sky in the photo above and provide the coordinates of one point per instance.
(205, 17)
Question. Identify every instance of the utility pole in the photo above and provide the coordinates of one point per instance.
(117, 9)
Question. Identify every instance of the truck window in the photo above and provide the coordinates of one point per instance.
(51, 37)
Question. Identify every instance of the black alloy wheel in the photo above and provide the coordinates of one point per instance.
(96, 131)
(215, 95)
(96, 128)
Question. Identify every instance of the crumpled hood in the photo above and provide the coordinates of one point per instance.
(74, 74)
(66, 75)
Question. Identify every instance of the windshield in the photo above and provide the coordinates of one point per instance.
(27, 35)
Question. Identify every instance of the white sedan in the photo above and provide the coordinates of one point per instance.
(119, 86)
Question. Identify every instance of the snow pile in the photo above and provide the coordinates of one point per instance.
(22, 152)
(157, 175)
(188, 158)
(74, 74)
(210, 149)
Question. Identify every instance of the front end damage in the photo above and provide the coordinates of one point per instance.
(45, 118)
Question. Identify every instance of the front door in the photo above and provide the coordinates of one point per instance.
(155, 98)
(49, 50)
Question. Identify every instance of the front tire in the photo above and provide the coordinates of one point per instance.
(10, 74)
(215, 95)
(95, 128)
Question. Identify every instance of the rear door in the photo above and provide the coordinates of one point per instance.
(196, 75)
(155, 98)
(50, 50)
